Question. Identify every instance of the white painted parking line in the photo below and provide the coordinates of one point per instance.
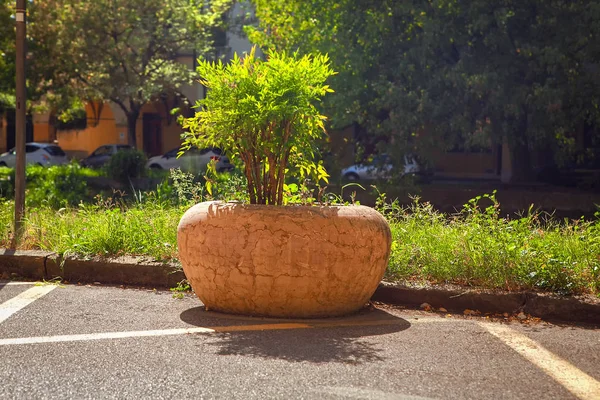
(101, 336)
(573, 379)
(136, 334)
(14, 283)
(215, 329)
(21, 301)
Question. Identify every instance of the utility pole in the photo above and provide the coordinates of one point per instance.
(20, 125)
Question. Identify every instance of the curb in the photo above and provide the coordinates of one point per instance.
(548, 307)
(131, 271)
(138, 271)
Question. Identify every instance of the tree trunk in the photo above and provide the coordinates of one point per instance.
(132, 118)
(522, 170)
(520, 155)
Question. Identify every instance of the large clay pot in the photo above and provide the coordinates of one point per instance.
(283, 261)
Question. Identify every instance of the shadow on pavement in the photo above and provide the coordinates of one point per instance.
(344, 340)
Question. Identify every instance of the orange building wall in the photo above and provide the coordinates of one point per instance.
(139, 127)
(100, 130)
(171, 133)
(171, 137)
(43, 132)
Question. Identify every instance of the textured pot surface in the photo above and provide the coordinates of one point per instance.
(283, 261)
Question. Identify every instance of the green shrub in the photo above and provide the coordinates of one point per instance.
(265, 113)
(6, 183)
(190, 189)
(57, 186)
(126, 165)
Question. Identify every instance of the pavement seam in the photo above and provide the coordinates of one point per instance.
(46, 267)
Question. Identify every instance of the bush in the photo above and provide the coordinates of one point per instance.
(188, 189)
(264, 113)
(7, 189)
(58, 186)
(126, 165)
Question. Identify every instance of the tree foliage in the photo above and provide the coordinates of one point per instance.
(40, 65)
(7, 54)
(450, 71)
(264, 113)
(121, 51)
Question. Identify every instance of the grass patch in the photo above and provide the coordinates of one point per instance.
(90, 230)
(479, 248)
(476, 247)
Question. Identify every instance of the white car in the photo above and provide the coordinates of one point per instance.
(380, 167)
(193, 160)
(44, 154)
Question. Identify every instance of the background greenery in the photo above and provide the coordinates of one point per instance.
(445, 74)
(109, 50)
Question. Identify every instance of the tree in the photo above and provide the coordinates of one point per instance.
(121, 51)
(7, 54)
(38, 72)
(517, 70)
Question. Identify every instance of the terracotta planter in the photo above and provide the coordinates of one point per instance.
(292, 261)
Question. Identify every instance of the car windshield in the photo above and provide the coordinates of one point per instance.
(30, 148)
(172, 153)
(380, 160)
(100, 151)
(55, 151)
(213, 149)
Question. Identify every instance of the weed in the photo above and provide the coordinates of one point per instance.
(55, 281)
(189, 189)
(179, 290)
(478, 247)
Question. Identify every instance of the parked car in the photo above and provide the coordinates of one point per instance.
(379, 167)
(44, 154)
(193, 160)
(102, 155)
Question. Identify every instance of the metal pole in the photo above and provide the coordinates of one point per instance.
(20, 125)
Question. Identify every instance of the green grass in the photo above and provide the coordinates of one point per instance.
(141, 229)
(474, 248)
(479, 248)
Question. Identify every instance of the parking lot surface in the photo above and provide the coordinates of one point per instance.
(70, 341)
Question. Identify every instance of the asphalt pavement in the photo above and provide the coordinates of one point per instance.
(94, 341)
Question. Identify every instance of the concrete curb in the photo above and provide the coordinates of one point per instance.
(548, 307)
(137, 271)
(130, 271)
